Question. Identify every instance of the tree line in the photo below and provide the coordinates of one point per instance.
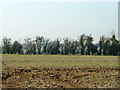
(83, 45)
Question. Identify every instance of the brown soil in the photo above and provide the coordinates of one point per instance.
(60, 77)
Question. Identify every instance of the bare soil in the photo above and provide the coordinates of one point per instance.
(60, 77)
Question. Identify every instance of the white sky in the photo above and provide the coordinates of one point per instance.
(59, 0)
(52, 20)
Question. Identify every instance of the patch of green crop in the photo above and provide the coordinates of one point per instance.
(59, 60)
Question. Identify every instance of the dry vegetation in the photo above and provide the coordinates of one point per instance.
(56, 71)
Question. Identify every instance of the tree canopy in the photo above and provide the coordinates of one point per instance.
(83, 46)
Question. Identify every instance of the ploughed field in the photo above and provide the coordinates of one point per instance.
(60, 71)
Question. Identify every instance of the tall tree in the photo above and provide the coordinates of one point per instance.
(115, 45)
(28, 45)
(82, 42)
(106, 47)
(101, 42)
(73, 47)
(88, 44)
(16, 48)
(39, 43)
(6, 45)
(45, 46)
(62, 48)
(66, 46)
(57, 46)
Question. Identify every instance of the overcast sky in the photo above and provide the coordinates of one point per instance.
(59, 19)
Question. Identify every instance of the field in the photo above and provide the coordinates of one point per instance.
(57, 71)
